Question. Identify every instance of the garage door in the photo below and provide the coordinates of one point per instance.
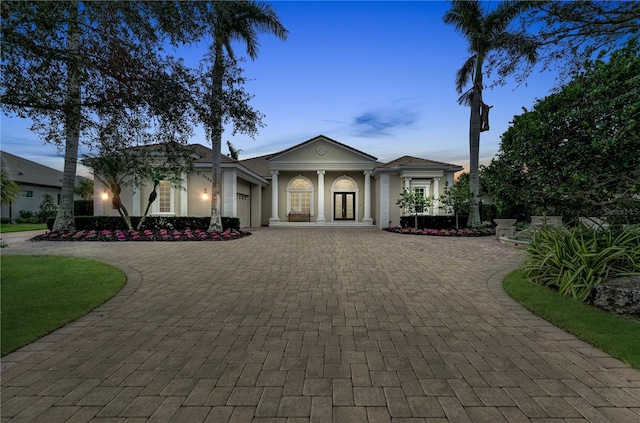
(244, 210)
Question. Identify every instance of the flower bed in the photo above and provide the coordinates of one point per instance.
(484, 231)
(142, 235)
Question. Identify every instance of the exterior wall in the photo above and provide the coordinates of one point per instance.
(31, 204)
(197, 183)
(395, 189)
(266, 205)
(332, 153)
(330, 177)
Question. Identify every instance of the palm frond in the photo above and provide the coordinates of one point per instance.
(465, 17)
(465, 74)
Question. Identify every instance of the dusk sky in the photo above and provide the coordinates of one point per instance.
(377, 76)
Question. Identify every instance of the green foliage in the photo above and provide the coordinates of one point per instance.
(48, 208)
(113, 223)
(577, 153)
(413, 202)
(486, 31)
(574, 261)
(84, 188)
(83, 208)
(612, 333)
(42, 293)
(571, 32)
(9, 190)
(27, 216)
(456, 198)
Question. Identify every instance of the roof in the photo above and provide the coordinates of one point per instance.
(324, 138)
(23, 171)
(410, 161)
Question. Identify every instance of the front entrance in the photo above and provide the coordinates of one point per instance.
(344, 206)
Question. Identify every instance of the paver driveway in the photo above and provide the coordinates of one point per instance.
(318, 324)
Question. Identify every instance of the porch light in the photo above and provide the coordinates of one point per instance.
(105, 195)
(205, 196)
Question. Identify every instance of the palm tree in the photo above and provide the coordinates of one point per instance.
(486, 31)
(231, 21)
(9, 190)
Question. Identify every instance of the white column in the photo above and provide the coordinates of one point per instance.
(135, 210)
(274, 197)
(384, 201)
(230, 193)
(436, 196)
(184, 189)
(407, 183)
(367, 220)
(320, 220)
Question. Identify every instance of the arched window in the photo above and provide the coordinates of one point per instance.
(300, 195)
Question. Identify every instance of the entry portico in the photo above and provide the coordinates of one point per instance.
(330, 183)
(324, 178)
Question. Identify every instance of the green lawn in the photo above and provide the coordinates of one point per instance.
(21, 227)
(612, 333)
(42, 293)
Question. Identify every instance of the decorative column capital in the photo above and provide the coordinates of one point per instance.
(321, 172)
(275, 172)
(367, 172)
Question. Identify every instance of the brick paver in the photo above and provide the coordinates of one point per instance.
(317, 325)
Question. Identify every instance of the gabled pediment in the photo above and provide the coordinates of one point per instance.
(321, 150)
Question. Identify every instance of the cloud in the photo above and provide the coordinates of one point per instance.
(374, 123)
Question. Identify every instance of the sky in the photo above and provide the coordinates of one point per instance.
(377, 76)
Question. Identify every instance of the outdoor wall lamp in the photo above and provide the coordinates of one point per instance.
(105, 195)
(205, 196)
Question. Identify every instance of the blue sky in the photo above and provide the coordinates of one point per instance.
(378, 76)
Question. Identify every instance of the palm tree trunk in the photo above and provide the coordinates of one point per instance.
(475, 126)
(216, 139)
(64, 217)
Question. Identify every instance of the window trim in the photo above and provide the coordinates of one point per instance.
(156, 204)
(310, 191)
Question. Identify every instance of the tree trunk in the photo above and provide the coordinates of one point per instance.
(216, 139)
(152, 198)
(475, 126)
(64, 217)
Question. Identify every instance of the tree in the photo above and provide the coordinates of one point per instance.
(231, 21)
(572, 32)
(413, 202)
(233, 152)
(64, 63)
(577, 152)
(9, 189)
(84, 188)
(457, 197)
(485, 31)
(47, 208)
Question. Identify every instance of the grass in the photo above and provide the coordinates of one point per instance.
(612, 333)
(40, 294)
(21, 227)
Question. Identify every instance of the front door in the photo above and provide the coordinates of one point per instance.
(344, 206)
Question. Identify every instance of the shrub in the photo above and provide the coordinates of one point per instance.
(114, 223)
(48, 208)
(574, 261)
(83, 207)
(27, 216)
(5, 220)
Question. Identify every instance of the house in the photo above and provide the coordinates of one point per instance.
(34, 180)
(317, 182)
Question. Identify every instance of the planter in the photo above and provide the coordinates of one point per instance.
(537, 222)
(505, 228)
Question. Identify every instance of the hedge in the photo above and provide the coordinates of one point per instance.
(113, 223)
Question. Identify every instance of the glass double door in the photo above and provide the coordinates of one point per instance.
(344, 206)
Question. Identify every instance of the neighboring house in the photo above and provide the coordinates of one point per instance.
(318, 182)
(34, 180)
